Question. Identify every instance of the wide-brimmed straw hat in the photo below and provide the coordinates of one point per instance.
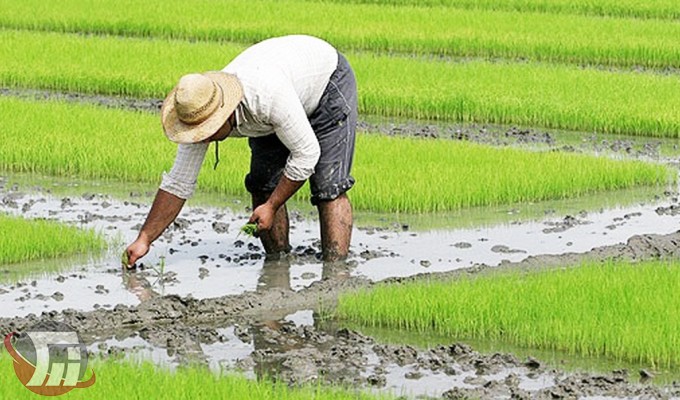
(199, 105)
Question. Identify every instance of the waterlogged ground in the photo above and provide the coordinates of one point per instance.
(206, 295)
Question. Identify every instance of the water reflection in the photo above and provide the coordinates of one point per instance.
(275, 275)
(138, 285)
(276, 272)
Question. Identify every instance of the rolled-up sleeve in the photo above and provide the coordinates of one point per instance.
(182, 178)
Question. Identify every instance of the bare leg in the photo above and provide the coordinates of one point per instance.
(335, 217)
(275, 241)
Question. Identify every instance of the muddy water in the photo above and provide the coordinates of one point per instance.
(218, 303)
(205, 256)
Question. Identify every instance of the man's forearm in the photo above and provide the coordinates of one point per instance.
(164, 210)
(284, 191)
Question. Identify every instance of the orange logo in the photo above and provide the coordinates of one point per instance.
(48, 362)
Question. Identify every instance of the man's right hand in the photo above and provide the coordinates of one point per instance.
(163, 211)
(137, 250)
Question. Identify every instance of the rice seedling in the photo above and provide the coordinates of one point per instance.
(551, 96)
(25, 240)
(619, 310)
(394, 174)
(451, 175)
(662, 9)
(538, 95)
(131, 380)
(249, 229)
(442, 31)
(159, 270)
(486, 216)
(125, 260)
(76, 140)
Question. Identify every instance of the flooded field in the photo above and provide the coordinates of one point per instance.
(205, 293)
(81, 89)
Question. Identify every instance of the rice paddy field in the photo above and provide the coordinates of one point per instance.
(194, 381)
(590, 309)
(516, 168)
(43, 239)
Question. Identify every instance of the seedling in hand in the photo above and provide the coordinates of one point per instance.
(249, 229)
(125, 261)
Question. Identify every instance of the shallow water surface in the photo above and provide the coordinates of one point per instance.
(204, 255)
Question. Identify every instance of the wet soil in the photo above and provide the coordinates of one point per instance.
(219, 303)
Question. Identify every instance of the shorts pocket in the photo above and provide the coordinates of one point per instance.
(331, 111)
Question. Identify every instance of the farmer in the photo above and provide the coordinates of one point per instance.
(295, 99)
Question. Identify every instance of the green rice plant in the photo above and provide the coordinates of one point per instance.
(410, 29)
(393, 174)
(125, 260)
(619, 310)
(249, 229)
(552, 96)
(160, 271)
(26, 240)
(131, 380)
(104, 65)
(416, 175)
(92, 142)
(662, 9)
(485, 216)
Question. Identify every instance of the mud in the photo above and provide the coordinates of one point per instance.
(264, 340)
(146, 105)
(273, 326)
(621, 146)
(217, 302)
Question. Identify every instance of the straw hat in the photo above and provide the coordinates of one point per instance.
(199, 105)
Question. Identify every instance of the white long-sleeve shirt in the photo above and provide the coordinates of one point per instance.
(283, 79)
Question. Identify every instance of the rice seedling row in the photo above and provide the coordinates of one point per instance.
(26, 240)
(623, 311)
(449, 31)
(661, 9)
(199, 313)
(79, 140)
(117, 379)
(440, 175)
(553, 96)
(393, 174)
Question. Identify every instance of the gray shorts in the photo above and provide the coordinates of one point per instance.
(334, 123)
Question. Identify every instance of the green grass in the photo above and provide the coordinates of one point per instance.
(551, 96)
(27, 240)
(393, 174)
(374, 27)
(624, 311)
(662, 9)
(125, 380)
